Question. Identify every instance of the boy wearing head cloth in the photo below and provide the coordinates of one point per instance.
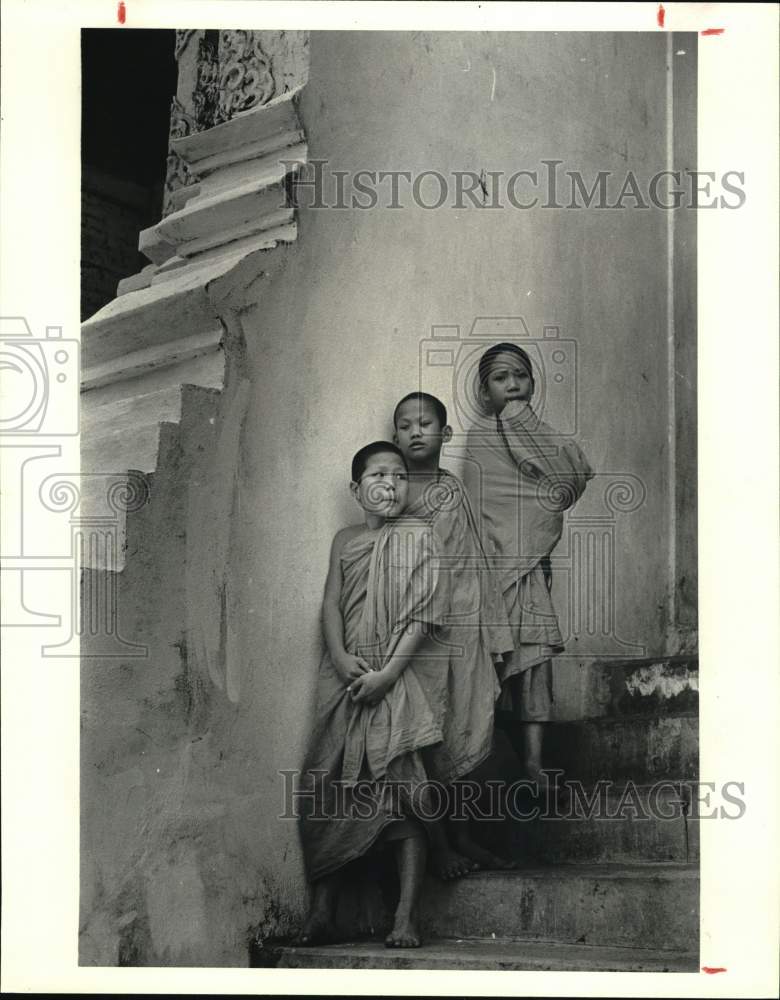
(522, 475)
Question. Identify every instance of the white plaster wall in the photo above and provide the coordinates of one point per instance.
(334, 341)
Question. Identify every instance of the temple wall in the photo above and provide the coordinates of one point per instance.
(326, 337)
(339, 331)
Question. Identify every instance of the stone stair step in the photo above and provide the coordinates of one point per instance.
(590, 688)
(629, 823)
(488, 954)
(628, 905)
(642, 749)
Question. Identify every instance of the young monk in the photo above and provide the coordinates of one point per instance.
(477, 630)
(522, 475)
(380, 699)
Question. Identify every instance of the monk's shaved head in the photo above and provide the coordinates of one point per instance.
(361, 457)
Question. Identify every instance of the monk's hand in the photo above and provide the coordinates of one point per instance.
(370, 687)
(350, 667)
(513, 407)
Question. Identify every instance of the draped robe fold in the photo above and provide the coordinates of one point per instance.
(473, 631)
(522, 475)
(436, 722)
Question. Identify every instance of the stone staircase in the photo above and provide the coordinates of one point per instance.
(490, 955)
(591, 893)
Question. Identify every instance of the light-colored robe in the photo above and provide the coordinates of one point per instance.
(389, 580)
(522, 475)
(474, 631)
(436, 722)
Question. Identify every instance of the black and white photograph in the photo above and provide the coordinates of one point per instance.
(387, 496)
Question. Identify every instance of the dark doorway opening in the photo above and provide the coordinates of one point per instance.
(128, 78)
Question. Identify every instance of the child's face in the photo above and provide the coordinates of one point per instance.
(508, 380)
(384, 486)
(418, 432)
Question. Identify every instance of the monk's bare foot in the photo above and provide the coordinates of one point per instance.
(318, 928)
(448, 864)
(315, 931)
(404, 933)
(484, 858)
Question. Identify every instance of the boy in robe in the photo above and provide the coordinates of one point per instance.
(476, 631)
(380, 696)
(522, 475)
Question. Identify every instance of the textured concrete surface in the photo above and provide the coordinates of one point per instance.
(499, 955)
(628, 824)
(630, 905)
(590, 689)
(640, 749)
(647, 906)
(173, 871)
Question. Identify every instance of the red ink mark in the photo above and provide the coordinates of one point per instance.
(712, 969)
(713, 31)
(661, 15)
(120, 12)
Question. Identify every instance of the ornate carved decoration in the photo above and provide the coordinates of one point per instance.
(205, 98)
(241, 197)
(183, 35)
(181, 123)
(246, 78)
(202, 114)
(177, 174)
